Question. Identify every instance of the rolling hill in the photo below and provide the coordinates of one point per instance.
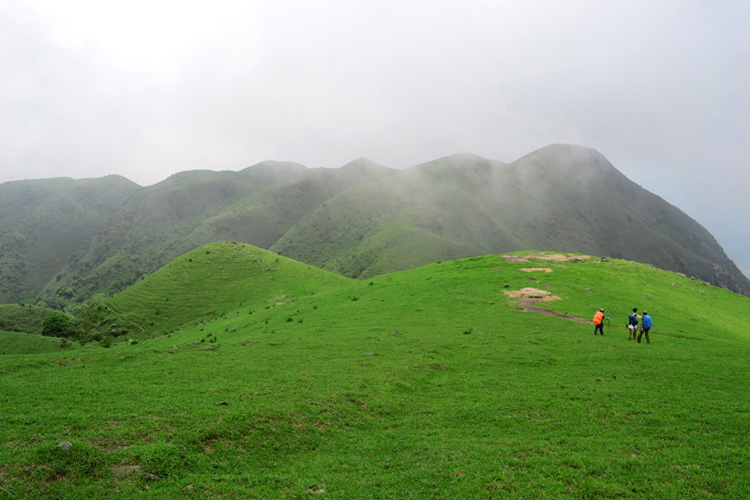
(203, 284)
(434, 382)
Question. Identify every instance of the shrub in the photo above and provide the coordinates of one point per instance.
(58, 325)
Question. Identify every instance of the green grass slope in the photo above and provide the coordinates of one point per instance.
(208, 282)
(17, 343)
(23, 318)
(427, 383)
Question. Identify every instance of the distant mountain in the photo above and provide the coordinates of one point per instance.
(190, 209)
(62, 245)
(264, 217)
(44, 223)
(157, 225)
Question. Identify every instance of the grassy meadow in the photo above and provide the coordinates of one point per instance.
(426, 383)
(23, 318)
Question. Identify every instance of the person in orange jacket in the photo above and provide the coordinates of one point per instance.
(599, 322)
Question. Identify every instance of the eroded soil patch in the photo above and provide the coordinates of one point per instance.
(528, 298)
(558, 257)
(124, 470)
(531, 295)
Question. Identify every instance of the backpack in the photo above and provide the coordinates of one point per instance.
(633, 320)
(647, 322)
(598, 317)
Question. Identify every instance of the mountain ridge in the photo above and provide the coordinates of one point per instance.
(364, 219)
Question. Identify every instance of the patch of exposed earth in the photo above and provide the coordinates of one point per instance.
(528, 298)
(124, 470)
(557, 257)
(531, 295)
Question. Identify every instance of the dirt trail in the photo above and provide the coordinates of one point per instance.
(548, 312)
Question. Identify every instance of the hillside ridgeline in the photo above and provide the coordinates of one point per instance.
(360, 220)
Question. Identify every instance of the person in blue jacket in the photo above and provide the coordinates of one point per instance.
(646, 324)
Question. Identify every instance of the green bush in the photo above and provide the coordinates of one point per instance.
(58, 325)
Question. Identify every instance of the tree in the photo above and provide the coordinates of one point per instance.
(58, 325)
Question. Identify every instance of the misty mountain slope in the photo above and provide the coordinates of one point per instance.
(398, 245)
(427, 213)
(262, 218)
(561, 197)
(157, 225)
(267, 173)
(625, 219)
(43, 223)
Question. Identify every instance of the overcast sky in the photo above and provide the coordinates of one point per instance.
(147, 88)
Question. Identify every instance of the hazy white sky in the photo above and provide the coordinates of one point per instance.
(147, 88)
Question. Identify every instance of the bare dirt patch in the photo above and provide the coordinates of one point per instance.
(529, 297)
(124, 470)
(515, 259)
(534, 269)
(557, 257)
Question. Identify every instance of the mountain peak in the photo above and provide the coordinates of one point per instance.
(272, 171)
(363, 163)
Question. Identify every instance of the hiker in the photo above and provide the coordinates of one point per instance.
(646, 324)
(599, 321)
(633, 324)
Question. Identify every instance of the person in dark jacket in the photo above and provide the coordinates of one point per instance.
(633, 324)
(646, 325)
